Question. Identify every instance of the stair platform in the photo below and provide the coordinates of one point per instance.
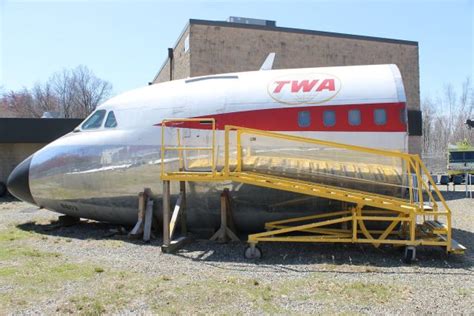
(397, 214)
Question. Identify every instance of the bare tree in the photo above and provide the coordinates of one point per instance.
(74, 93)
(44, 98)
(450, 102)
(464, 112)
(444, 120)
(429, 115)
(89, 91)
(21, 103)
(63, 85)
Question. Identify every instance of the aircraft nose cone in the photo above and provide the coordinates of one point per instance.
(18, 182)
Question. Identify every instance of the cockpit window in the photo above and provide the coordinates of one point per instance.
(110, 122)
(95, 121)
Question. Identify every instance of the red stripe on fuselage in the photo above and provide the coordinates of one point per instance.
(286, 119)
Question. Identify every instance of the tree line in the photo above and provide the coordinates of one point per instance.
(444, 118)
(444, 124)
(73, 93)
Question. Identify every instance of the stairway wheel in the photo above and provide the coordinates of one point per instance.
(252, 252)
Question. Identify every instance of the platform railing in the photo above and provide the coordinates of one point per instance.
(186, 123)
(246, 153)
(417, 186)
(419, 192)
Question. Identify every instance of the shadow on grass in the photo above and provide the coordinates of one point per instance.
(7, 198)
(280, 256)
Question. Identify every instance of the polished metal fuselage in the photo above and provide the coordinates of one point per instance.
(101, 182)
(98, 174)
(80, 176)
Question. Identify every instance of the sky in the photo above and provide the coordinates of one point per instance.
(125, 42)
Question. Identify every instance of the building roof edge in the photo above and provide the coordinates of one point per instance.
(301, 31)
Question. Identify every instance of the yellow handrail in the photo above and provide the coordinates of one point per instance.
(389, 153)
(180, 148)
(414, 165)
(409, 212)
(413, 161)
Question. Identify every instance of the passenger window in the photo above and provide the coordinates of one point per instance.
(380, 117)
(304, 119)
(329, 118)
(95, 121)
(354, 117)
(110, 122)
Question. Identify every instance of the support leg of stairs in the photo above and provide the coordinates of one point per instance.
(224, 233)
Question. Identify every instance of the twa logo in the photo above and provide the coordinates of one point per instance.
(304, 88)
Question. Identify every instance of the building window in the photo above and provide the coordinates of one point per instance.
(380, 117)
(110, 122)
(304, 119)
(95, 120)
(353, 117)
(186, 44)
(329, 118)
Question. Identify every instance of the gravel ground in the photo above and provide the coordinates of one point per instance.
(88, 268)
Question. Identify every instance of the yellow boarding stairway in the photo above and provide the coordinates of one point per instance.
(411, 211)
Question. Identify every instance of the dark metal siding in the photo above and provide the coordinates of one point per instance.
(32, 130)
(415, 127)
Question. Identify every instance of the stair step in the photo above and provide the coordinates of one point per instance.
(427, 207)
(436, 227)
(456, 247)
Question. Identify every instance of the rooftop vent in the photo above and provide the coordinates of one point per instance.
(236, 19)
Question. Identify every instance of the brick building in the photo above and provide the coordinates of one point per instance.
(212, 47)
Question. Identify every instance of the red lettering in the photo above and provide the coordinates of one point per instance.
(303, 84)
(280, 86)
(327, 84)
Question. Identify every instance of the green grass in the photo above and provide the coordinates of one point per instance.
(368, 291)
(8, 271)
(10, 252)
(29, 276)
(84, 305)
(102, 290)
(38, 273)
(204, 296)
(34, 280)
(213, 294)
(117, 291)
(13, 233)
(465, 292)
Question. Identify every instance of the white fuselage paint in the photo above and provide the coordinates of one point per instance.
(98, 173)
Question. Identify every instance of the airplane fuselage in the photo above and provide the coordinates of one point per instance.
(97, 171)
